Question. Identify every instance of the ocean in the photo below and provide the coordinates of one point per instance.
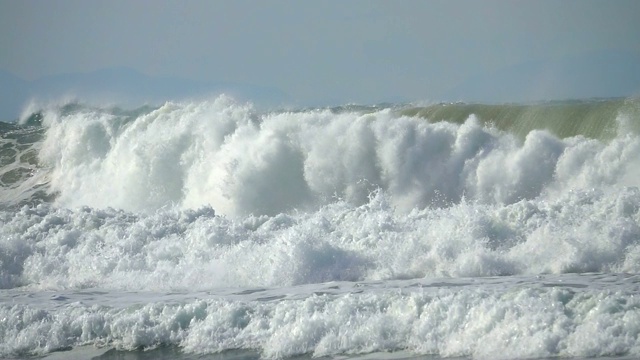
(214, 230)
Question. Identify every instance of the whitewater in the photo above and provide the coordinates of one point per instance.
(214, 230)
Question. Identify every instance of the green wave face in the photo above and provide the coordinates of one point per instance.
(23, 179)
(19, 147)
(596, 119)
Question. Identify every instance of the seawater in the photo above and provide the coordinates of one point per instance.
(213, 230)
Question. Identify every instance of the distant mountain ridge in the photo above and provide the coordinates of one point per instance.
(598, 74)
(124, 86)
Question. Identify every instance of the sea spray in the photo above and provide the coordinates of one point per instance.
(53, 248)
(211, 229)
(225, 155)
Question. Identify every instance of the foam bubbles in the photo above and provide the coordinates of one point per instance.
(54, 248)
(227, 156)
(275, 207)
(522, 318)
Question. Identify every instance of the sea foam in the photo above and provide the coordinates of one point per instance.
(522, 318)
(225, 155)
(54, 248)
(209, 227)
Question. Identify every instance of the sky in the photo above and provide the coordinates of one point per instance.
(315, 51)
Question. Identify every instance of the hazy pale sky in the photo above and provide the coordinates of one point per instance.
(364, 51)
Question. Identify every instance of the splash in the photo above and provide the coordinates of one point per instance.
(240, 162)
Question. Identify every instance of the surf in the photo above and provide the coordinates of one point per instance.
(213, 229)
(240, 161)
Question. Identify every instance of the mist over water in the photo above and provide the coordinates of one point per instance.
(211, 226)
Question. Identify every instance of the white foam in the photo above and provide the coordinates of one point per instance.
(313, 197)
(55, 248)
(225, 155)
(489, 318)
